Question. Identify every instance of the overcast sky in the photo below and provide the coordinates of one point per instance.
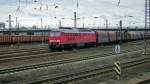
(28, 16)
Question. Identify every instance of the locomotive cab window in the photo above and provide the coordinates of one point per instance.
(57, 34)
(62, 34)
(52, 34)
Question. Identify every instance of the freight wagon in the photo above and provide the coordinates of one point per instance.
(75, 38)
(7, 39)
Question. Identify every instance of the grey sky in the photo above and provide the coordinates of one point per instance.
(87, 8)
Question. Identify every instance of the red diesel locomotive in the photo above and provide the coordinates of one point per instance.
(71, 38)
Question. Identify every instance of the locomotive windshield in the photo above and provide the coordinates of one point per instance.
(52, 34)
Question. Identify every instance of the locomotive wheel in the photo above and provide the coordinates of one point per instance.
(63, 49)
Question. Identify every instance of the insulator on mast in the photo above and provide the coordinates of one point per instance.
(118, 3)
(46, 7)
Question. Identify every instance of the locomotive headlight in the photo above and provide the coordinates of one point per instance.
(51, 40)
(57, 40)
(54, 40)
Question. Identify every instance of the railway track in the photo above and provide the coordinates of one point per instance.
(104, 70)
(65, 61)
(20, 45)
(29, 48)
(28, 53)
(147, 81)
(21, 48)
(42, 65)
(45, 53)
(22, 51)
(37, 54)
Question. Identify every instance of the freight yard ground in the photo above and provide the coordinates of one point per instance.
(135, 75)
(85, 59)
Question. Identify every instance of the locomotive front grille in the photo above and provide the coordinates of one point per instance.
(55, 43)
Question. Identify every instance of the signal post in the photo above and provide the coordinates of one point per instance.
(117, 64)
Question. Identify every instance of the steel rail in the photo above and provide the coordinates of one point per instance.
(90, 73)
(47, 64)
(36, 54)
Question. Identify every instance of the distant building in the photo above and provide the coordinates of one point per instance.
(34, 27)
(2, 25)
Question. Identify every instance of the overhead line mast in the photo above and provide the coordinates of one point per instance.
(75, 14)
(118, 3)
(147, 21)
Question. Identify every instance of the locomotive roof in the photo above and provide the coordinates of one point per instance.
(74, 30)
